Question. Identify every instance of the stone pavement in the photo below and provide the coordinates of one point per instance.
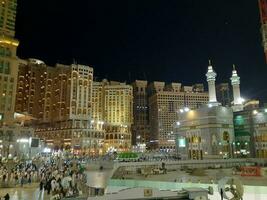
(207, 177)
(27, 192)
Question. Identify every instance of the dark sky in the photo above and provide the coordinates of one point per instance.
(167, 40)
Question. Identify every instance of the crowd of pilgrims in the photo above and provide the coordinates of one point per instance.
(59, 180)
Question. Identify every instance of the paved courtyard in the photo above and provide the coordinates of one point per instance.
(205, 176)
(27, 192)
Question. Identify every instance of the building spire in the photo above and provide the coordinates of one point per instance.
(235, 81)
(211, 78)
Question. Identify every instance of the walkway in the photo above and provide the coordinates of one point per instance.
(25, 193)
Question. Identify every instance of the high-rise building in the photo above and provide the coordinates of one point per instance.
(140, 128)
(198, 87)
(112, 114)
(223, 94)
(260, 132)
(245, 128)
(164, 109)
(263, 17)
(60, 98)
(8, 10)
(72, 111)
(118, 116)
(31, 84)
(8, 60)
(11, 130)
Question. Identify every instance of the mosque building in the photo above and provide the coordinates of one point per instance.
(208, 132)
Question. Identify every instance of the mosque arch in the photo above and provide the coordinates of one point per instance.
(226, 136)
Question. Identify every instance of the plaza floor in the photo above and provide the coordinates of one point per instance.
(254, 186)
(207, 176)
(28, 192)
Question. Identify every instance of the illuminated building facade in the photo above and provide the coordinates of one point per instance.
(11, 130)
(67, 108)
(72, 111)
(164, 110)
(97, 119)
(140, 128)
(8, 61)
(251, 131)
(60, 98)
(112, 114)
(263, 19)
(260, 132)
(244, 141)
(206, 132)
(118, 116)
(32, 76)
(217, 131)
(8, 11)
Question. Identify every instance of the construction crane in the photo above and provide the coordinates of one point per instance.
(263, 15)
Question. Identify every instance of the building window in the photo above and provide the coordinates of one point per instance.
(7, 68)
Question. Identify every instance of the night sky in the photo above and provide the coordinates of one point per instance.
(167, 40)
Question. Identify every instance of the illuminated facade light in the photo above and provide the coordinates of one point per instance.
(240, 100)
(186, 109)
(47, 150)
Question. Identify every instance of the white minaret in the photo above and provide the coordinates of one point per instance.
(211, 77)
(235, 81)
